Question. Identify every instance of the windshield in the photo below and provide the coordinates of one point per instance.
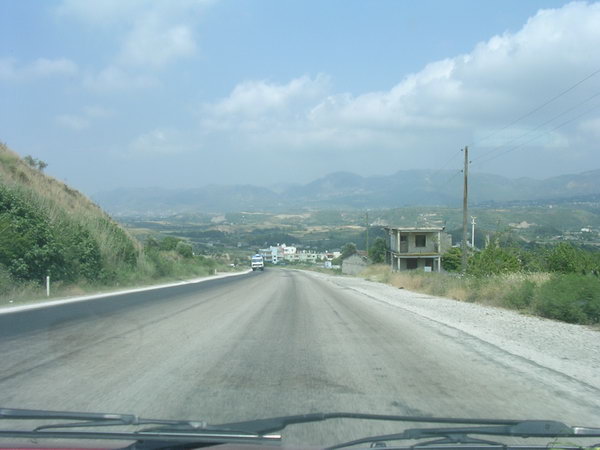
(221, 211)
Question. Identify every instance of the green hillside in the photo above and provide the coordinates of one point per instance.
(48, 228)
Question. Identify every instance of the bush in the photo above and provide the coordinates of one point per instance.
(521, 295)
(570, 298)
(564, 258)
(28, 247)
(169, 243)
(494, 260)
(184, 249)
(377, 251)
(451, 260)
(348, 250)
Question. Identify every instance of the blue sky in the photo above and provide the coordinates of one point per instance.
(185, 93)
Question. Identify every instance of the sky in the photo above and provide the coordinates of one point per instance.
(184, 93)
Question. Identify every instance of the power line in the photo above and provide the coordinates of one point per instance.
(484, 155)
(518, 119)
(570, 88)
(541, 134)
(447, 162)
(457, 173)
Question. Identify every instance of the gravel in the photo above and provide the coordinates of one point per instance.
(571, 350)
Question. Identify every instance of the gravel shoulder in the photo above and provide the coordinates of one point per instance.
(571, 350)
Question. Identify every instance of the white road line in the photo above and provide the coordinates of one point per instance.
(47, 304)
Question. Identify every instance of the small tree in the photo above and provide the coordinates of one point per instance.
(494, 260)
(348, 250)
(30, 161)
(451, 260)
(35, 163)
(565, 258)
(184, 249)
(169, 243)
(377, 251)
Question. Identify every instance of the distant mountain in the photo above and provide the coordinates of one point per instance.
(343, 190)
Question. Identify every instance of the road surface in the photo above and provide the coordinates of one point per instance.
(267, 344)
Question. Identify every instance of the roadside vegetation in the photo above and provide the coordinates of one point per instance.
(49, 229)
(560, 282)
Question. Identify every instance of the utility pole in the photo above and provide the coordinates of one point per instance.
(465, 211)
(473, 231)
(367, 219)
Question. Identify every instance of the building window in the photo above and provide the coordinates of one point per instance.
(412, 263)
(420, 240)
(403, 243)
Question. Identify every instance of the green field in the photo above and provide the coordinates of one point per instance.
(242, 233)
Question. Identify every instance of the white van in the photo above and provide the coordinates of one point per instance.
(258, 263)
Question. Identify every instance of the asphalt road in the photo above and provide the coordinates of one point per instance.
(268, 344)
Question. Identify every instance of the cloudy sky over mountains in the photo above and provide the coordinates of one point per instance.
(189, 92)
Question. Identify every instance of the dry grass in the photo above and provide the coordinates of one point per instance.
(489, 290)
(124, 262)
(60, 200)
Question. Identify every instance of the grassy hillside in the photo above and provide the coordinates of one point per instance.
(48, 228)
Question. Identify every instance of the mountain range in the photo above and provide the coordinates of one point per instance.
(343, 190)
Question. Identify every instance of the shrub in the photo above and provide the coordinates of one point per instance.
(571, 298)
(377, 251)
(451, 260)
(564, 258)
(28, 247)
(348, 250)
(169, 243)
(184, 249)
(494, 260)
(521, 295)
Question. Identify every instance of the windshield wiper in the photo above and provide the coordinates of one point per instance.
(260, 430)
(168, 430)
(279, 423)
(447, 435)
(461, 435)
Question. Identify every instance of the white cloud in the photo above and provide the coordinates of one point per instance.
(99, 13)
(591, 127)
(161, 141)
(113, 78)
(154, 43)
(39, 68)
(78, 122)
(151, 33)
(7, 68)
(72, 122)
(109, 12)
(260, 97)
(100, 112)
(445, 105)
(49, 67)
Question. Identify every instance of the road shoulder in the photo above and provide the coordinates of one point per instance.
(569, 349)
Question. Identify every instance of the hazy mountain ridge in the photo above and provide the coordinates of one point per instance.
(348, 190)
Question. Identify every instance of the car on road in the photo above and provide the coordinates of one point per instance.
(258, 262)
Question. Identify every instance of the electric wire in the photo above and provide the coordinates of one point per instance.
(540, 135)
(443, 166)
(536, 109)
(477, 159)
